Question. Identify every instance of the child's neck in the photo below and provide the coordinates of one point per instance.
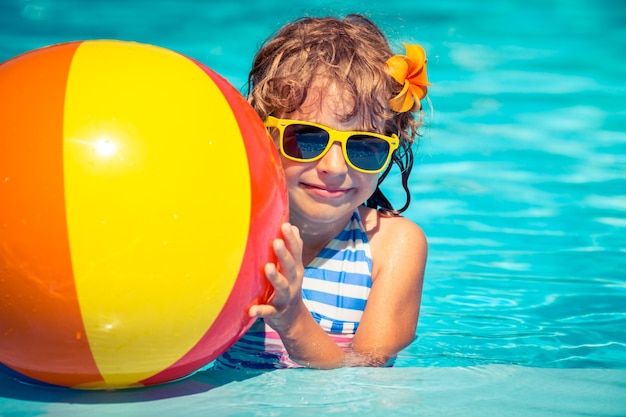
(315, 236)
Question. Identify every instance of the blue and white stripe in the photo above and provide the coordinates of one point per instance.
(337, 282)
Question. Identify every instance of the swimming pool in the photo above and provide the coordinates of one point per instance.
(520, 186)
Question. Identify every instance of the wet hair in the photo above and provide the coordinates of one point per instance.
(350, 53)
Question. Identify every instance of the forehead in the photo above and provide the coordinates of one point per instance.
(328, 96)
(331, 103)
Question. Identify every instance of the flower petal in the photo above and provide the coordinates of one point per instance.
(403, 101)
(418, 93)
(398, 67)
(416, 54)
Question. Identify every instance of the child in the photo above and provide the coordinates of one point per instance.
(348, 283)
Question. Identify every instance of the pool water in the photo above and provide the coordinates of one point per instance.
(519, 183)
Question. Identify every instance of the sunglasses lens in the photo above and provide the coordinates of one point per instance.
(304, 142)
(367, 152)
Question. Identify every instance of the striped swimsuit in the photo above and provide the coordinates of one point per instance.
(335, 288)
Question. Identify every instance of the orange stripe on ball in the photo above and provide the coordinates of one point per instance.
(40, 322)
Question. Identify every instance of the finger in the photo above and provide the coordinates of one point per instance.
(280, 283)
(261, 311)
(277, 278)
(292, 239)
(287, 264)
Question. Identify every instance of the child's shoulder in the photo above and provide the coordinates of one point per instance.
(399, 247)
(389, 229)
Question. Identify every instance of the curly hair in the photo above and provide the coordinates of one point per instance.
(351, 53)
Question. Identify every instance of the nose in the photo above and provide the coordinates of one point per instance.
(333, 161)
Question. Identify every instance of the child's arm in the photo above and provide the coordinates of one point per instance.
(392, 310)
(389, 322)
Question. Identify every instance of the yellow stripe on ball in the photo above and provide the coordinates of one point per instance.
(149, 168)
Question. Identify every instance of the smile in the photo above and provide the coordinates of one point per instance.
(325, 192)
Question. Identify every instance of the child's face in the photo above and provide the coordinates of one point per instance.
(326, 190)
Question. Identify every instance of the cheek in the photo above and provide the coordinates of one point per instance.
(365, 185)
(292, 170)
(368, 182)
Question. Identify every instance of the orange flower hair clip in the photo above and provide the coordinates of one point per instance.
(410, 71)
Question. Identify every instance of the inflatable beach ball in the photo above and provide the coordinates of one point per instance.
(139, 196)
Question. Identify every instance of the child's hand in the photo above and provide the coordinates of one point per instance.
(286, 277)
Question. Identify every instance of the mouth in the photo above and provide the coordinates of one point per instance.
(325, 192)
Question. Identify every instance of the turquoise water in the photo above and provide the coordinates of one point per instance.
(520, 184)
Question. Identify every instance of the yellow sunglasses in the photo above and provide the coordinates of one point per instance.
(307, 142)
